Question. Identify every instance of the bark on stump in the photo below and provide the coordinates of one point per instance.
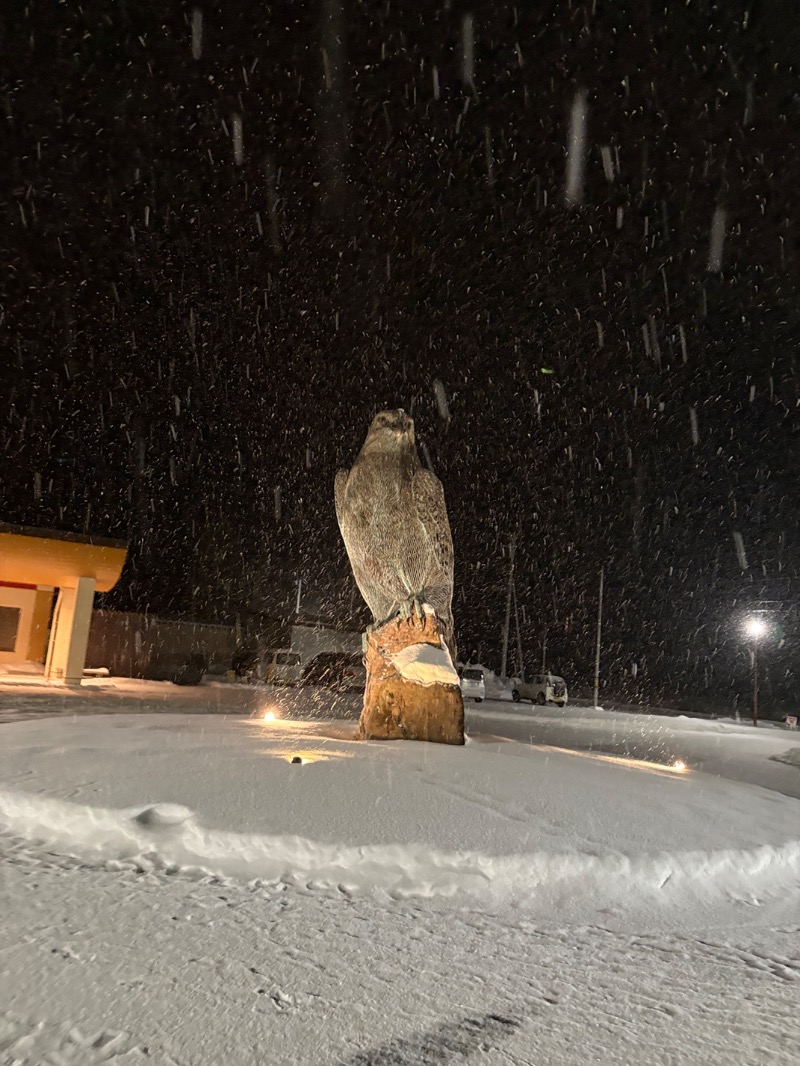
(397, 707)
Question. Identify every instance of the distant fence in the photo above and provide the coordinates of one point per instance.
(141, 645)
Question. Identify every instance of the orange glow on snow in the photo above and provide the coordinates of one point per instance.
(677, 767)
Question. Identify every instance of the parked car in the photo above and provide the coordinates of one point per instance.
(337, 670)
(244, 660)
(541, 689)
(178, 667)
(473, 684)
(280, 667)
(192, 671)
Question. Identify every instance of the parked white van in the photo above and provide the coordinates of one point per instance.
(541, 689)
(473, 685)
(279, 668)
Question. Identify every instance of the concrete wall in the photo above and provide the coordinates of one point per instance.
(140, 645)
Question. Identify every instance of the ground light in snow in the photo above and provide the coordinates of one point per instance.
(312, 755)
(284, 743)
(269, 712)
(309, 755)
(303, 756)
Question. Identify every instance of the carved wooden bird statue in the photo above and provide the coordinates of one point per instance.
(394, 523)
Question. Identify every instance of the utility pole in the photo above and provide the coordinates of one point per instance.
(333, 136)
(755, 628)
(299, 592)
(599, 634)
(544, 651)
(507, 624)
(520, 661)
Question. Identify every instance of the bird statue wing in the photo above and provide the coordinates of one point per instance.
(339, 487)
(431, 511)
(373, 574)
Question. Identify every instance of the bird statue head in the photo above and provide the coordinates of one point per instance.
(392, 429)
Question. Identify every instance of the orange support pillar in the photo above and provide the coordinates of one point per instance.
(69, 636)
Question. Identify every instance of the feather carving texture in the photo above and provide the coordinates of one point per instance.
(394, 523)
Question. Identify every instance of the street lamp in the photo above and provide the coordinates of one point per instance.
(755, 628)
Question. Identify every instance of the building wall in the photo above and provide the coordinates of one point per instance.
(18, 605)
(309, 641)
(35, 563)
(33, 607)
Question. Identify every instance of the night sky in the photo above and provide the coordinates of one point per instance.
(234, 231)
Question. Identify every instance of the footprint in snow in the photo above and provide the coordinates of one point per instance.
(280, 1000)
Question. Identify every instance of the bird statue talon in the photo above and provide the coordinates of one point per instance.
(410, 609)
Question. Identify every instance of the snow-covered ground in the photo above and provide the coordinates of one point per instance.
(176, 890)
(766, 755)
(119, 695)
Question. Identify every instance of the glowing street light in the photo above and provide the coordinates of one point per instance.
(754, 628)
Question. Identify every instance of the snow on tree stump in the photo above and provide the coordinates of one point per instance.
(413, 690)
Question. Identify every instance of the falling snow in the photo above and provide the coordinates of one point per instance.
(738, 541)
(576, 149)
(238, 147)
(564, 238)
(441, 400)
(197, 33)
(575, 264)
(468, 49)
(716, 240)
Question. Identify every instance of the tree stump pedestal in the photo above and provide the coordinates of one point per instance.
(413, 690)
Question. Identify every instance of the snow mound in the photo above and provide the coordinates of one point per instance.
(790, 757)
(106, 835)
(426, 664)
(162, 816)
